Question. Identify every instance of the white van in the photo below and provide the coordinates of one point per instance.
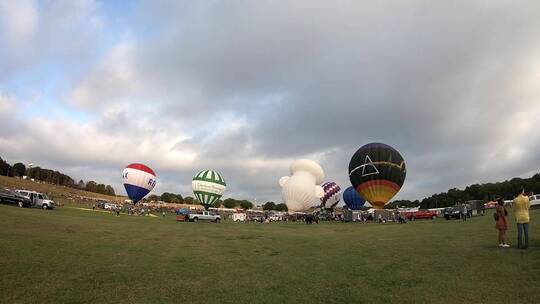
(239, 217)
(38, 199)
(534, 200)
(109, 206)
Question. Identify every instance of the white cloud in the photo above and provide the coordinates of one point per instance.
(114, 79)
(246, 89)
(8, 106)
(19, 20)
(47, 34)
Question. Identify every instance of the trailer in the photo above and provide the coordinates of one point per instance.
(352, 215)
(475, 207)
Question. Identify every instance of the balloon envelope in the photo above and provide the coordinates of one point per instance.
(377, 171)
(332, 195)
(352, 199)
(138, 180)
(208, 186)
(302, 188)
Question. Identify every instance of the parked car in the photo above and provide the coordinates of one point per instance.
(534, 200)
(109, 206)
(239, 217)
(452, 213)
(204, 216)
(421, 214)
(12, 197)
(38, 199)
(101, 203)
(274, 218)
(257, 218)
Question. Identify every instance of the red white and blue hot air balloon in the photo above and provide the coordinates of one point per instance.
(138, 180)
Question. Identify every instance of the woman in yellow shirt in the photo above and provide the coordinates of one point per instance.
(521, 212)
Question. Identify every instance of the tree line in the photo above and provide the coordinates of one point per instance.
(52, 177)
(275, 207)
(92, 186)
(227, 203)
(507, 190)
(177, 198)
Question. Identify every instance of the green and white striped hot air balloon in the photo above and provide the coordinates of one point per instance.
(208, 186)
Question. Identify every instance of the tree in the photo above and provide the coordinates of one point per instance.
(269, 206)
(246, 204)
(217, 203)
(281, 207)
(5, 168)
(172, 198)
(109, 190)
(101, 189)
(188, 200)
(34, 172)
(81, 185)
(19, 169)
(91, 186)
(154, 198)
(402, 204)
(167, 197)
(230, 203)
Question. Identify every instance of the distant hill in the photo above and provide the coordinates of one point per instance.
(60, 194)
(51, 177)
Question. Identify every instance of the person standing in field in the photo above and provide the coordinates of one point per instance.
(521, 212)
(501, 223)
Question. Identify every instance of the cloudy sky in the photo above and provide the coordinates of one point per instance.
(246, 87)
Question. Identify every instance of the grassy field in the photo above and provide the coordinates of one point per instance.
(74, 256)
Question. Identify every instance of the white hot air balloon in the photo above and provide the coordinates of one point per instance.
(303, 187)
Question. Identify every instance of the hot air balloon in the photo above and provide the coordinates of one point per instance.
(208, 186)
(300, 190)
(377, 171)
(332, 195)
(138, 180)
(352, 199)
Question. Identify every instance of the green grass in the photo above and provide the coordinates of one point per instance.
(73, 256)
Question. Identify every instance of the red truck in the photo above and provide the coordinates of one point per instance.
(421, 214)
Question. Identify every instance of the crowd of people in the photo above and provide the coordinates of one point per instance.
(134, 210)
(520, 206)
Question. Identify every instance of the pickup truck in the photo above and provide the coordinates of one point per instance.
(11, 197)
(205, 216)
(421, 214)
(38, 199)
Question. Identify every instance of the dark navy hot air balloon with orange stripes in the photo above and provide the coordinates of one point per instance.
(377, 171)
